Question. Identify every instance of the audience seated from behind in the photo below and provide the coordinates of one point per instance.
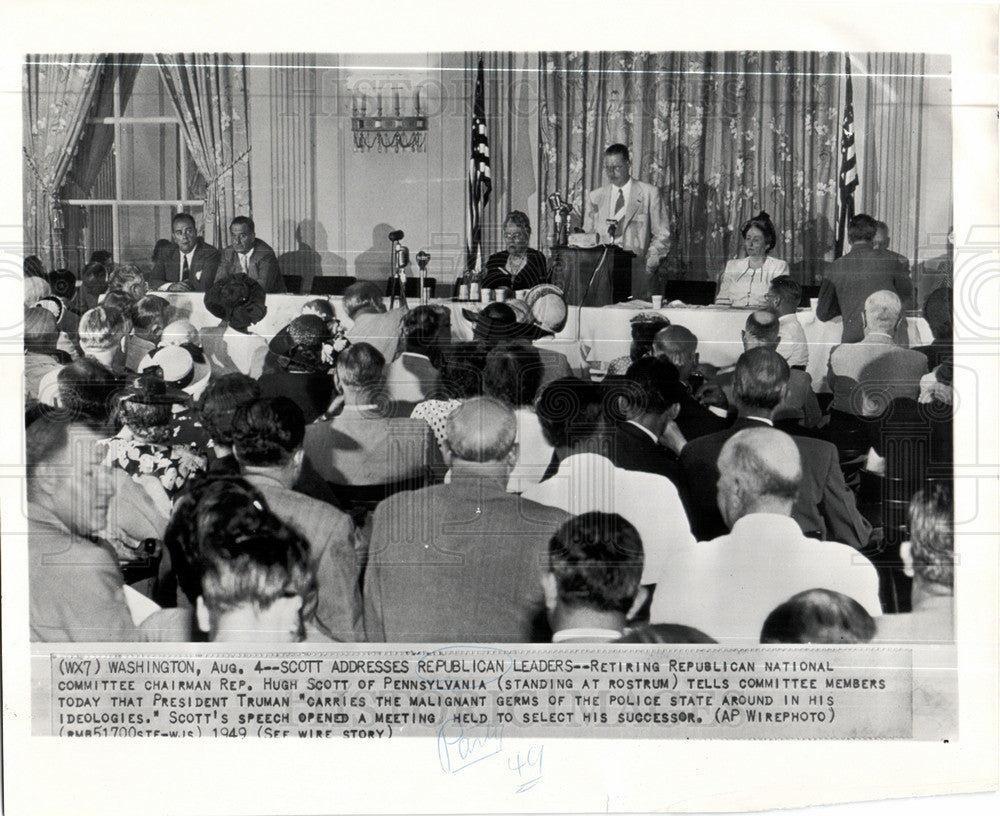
(548, 309)
(929, 558)
(102, 332)
(727, 586)
(594, 575)
(646, 438)
(414, 375)
(41, 357)
(298, 366)
(181, 367)
(864, 376)
(372, 324)
(513, 374)
(208, 425)
(937, 312)
(644, 327)
(239, 302)
(470, 544)
(367, 444)
(461, 378)
(799, 406)
(128, 278)
(267, 440)
(574, 418)
(678, 345)
(93, 284)
(818, 616)
(248, 255)
(824, 507)
(783, 298)
(150, 315)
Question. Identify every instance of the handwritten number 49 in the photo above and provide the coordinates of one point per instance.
(529, 769)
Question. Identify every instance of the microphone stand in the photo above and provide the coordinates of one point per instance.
(395, 286)
(612, 228)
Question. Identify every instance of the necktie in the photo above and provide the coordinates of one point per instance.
(620, 203)
(186, 272)
(246, 263)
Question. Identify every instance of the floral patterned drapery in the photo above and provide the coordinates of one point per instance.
(722, 134)
(58, 92)
(209, 92)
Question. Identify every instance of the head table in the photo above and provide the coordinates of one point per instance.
(603, 331)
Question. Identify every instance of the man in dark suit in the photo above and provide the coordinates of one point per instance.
(858, 274)
(679, 346)
(251, 255)
(825, 507)
(188, 259)
(651, 402)
(461, 562)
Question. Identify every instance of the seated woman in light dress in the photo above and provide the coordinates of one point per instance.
(745, 281)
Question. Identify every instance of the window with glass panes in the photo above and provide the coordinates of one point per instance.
(146, 177)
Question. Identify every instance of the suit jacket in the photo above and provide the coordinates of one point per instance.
(263, 266)
(865, 376)
(635, 450)
(856, 275)
(696, 420)
(330, 534)
(643, 230)
(825, 504)
(204, 267)
(411, 378)
(533, 273)
(379, 329)
(458, 563)
(365, 447)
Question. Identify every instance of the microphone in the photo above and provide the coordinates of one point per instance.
(402, 257)
(396, 235)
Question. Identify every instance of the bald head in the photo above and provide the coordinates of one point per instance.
(760, 470)
(882, 312)
(481, 430)
(761, 330)
(678, 345)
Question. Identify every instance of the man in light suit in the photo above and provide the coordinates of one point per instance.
(636, 211)
(188, 259)
(251, 255)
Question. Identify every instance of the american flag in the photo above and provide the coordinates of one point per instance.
(480, 183)
(848, 164)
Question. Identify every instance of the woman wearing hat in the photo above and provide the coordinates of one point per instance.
(644, 326)
(518, 266)
(298, 366)
(745, 281)
(239, 302)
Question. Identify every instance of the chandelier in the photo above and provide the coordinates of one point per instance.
(385, 132)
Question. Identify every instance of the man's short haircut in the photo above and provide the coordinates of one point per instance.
(122, 301)
(570, 410)
(361, 295)
(767, 459)
(103, 257)
(788, 289)
(40, 331)
(34, 268)
(243, 220)
(63, 283)
(881, 225)
(760, 377)
(861, 228)
(937, 312)
(818, 616)
(360, 366)
(652, 385)
(618, 149)
(44, 441)
(597, 561)
(932, 542)
(883, 310)
(219, 402)
(513, 373)
(481, 429)
(151, 310)
(763, 326)
(183, 216)
(94, 269)
(102, 328)
(676, 343)
(128, 278)
(268, 431)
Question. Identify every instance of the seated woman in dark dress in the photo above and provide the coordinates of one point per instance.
(519, 266)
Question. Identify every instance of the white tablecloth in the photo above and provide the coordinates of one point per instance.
(603, 331)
